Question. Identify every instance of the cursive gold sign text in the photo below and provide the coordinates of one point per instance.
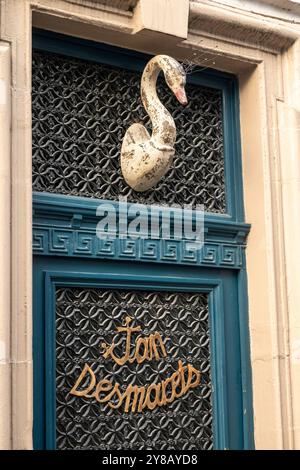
(137, 398)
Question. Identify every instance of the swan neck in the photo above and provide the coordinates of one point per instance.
(163, 125)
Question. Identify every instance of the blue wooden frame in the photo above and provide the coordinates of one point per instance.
(232, 429)
(64, 227)
(68, 228)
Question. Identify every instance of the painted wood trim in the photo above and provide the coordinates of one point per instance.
(66, 226)
(230, 431)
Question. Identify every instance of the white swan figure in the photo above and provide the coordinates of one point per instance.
(145, 159)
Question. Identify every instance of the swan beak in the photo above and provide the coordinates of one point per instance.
(181, 96)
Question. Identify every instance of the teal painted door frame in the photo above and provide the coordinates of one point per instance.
(231, 413)
(67, 253)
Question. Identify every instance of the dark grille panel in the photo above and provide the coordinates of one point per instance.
(84, 319)
(81, 111)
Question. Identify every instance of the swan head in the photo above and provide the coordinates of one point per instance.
(176, 79)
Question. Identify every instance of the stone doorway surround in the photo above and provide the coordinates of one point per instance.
(257, 41)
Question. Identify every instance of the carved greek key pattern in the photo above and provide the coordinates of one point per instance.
(52, 241)
(80, 113)
(87, 317)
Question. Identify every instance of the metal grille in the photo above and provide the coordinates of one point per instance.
(81, 111)
(84, 319)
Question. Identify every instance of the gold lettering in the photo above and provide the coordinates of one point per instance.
(149, 346)
(137, 392)
(152, 404)
(141, 357)
(109, 350)
(176, 381)
(103, 386)
(165, 383)
(152, 345)
(137, 398)
(120, 397)
(85, 392)
(191, 371)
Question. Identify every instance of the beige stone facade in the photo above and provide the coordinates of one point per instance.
(259, 42)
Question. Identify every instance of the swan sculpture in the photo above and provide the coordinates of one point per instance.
(145, 159)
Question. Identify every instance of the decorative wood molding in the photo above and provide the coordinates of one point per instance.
(61, 229)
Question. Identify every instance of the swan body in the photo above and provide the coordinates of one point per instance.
(145, 159)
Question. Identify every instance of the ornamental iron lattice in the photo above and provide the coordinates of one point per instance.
(85, 318)
(81, 111)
